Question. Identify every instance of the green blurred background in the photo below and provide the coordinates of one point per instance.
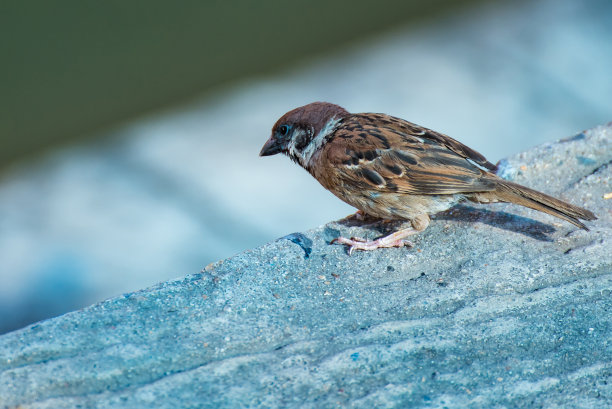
(71, 69)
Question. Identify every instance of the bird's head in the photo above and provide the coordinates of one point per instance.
(301, 132)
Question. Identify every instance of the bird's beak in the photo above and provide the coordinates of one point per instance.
(272, 147)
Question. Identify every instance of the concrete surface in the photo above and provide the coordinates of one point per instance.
(495, 307)
(159, 198)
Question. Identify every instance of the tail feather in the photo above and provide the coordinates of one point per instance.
(524, 196)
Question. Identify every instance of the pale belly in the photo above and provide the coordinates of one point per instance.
(400, 206)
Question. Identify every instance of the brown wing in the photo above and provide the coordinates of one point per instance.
(377, 151)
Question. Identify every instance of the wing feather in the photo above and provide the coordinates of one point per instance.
(388, 154)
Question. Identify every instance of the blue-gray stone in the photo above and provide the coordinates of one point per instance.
(494, 306)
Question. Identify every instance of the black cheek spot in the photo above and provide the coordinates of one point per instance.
(373, 177)
(301, 142)
(406, 158)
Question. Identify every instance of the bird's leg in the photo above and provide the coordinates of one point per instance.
(393, 240)
(382, 221)
(359, 215)
(396, 239)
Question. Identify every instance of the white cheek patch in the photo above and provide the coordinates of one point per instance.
(293, 152)
(304, 157)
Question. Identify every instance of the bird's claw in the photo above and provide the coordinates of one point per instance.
(357, 243)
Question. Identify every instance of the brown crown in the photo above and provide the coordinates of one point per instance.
(314, 115)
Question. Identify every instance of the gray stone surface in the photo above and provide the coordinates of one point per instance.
(495, 306)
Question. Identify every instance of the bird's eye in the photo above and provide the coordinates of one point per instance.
(283, 130)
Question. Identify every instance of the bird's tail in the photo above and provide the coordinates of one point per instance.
(521, 195)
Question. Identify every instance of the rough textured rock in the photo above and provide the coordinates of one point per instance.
(495, 306)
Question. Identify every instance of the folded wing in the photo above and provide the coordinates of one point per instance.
(392, 155)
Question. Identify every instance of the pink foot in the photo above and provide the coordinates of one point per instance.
(396, 239)
(357, 243)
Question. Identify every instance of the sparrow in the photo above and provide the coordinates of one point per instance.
(393, 169)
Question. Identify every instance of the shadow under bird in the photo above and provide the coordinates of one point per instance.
(392, 169)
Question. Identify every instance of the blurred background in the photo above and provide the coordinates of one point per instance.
(130, 131)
